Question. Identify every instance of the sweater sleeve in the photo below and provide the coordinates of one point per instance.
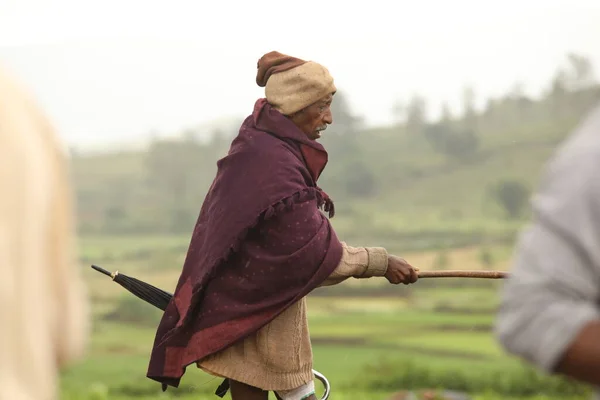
(554, 289)
(359, 262)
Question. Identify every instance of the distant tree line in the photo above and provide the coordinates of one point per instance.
(160, 190)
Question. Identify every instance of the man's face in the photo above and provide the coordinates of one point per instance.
(314, 118)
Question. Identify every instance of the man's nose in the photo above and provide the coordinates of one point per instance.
(328, 118)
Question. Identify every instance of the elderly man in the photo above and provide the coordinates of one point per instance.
(550, 311)
(261, 245)
(44, 310)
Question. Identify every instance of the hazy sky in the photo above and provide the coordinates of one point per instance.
(111, 70)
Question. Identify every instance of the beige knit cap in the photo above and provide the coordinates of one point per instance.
(291, 84)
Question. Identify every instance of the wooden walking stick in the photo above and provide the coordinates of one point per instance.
(463, 274)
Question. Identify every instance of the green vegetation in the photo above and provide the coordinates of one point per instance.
(371, 339)
(451, 193)
(418, 185)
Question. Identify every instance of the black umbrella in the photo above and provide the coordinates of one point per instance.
(160, 299)
(151, 294)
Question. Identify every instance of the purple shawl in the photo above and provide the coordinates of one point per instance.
(260, 244)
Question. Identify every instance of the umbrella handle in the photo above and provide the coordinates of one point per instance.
(325, 383)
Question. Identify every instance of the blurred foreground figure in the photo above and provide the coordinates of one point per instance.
(43, 309)
(261, 244)
(550, 312)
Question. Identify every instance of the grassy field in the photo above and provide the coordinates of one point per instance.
(435, 335)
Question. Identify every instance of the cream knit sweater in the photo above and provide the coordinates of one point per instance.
(279, 356)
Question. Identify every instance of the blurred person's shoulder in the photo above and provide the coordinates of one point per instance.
(576, 161)
(568, 184)
(582, 147)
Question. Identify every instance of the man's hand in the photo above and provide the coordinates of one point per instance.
(399, 271)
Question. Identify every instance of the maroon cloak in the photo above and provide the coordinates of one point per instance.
(260, 244)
